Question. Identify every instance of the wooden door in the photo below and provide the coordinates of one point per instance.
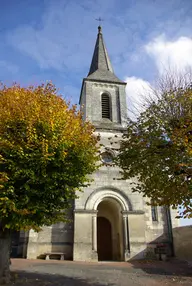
(104, 239)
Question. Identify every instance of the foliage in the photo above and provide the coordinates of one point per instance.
(46, 153)
(157, 149)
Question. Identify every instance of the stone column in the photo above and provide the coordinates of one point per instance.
(126, 238)
(94, 256)
(94, 232)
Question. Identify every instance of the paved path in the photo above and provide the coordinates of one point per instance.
(59, 273)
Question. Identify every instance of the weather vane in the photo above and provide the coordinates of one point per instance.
(99, 19)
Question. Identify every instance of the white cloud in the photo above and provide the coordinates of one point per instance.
(170, 54)
(136, 89)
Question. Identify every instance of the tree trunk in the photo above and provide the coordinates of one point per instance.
(5, 243)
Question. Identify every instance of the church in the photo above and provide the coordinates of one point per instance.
(108, 221)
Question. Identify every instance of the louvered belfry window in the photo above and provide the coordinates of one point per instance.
(105, 104)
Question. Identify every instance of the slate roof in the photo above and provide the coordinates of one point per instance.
(101, 68)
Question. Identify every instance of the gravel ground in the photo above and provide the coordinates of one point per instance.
(59, 273)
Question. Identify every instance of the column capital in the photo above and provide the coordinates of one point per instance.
(125, 216)
(83, 211)
(137, 212)
(94, 214)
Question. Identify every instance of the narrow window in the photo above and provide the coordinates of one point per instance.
(154, 213)
(105, 105)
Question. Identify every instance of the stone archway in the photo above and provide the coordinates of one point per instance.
(108, 192)
(113, 205)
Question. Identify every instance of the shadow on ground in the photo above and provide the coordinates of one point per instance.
(59, 273)
(23, 278)
(170, 268)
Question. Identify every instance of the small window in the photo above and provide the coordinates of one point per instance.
(105, 105)
(154, 213)
(107, 157)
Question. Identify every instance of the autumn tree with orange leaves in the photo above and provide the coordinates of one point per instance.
(46, 154)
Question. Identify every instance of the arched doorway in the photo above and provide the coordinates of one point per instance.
(109, 230)
(104, 239)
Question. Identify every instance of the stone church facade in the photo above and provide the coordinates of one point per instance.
(108, 220)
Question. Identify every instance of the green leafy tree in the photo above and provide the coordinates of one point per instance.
(46, 154)
(157, 149)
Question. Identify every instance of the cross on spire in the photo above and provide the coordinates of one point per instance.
(99, 20)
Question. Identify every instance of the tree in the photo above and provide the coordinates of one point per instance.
(46, 154)
(157, 148)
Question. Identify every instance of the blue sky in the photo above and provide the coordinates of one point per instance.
(54, 40)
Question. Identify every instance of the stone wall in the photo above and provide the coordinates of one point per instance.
(183, 242)
(54, 238)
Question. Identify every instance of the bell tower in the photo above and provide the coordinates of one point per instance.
(99, 232)
(103, 98)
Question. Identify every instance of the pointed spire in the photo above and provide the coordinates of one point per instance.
(100, 60)
(101, 68)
